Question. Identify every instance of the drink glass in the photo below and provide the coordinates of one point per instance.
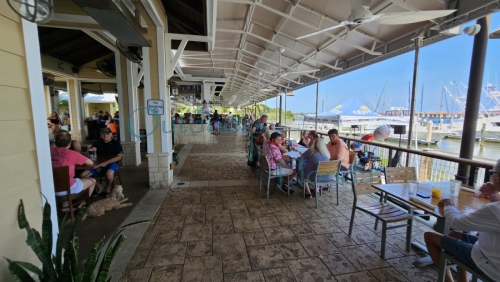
(413, 187)
(455, 187)
(436, 192)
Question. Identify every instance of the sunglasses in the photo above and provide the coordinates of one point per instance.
(492, 172)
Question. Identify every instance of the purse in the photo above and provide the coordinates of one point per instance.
(369, 164)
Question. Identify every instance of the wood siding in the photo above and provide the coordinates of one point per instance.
(18, 159)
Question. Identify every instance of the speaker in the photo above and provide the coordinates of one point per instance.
(354, 126)
(400, 129)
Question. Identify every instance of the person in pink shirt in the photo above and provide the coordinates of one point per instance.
(62, 156)
(277, 165)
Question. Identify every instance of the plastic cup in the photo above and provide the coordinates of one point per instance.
(455, 187)
(413, 187)
(436, 192)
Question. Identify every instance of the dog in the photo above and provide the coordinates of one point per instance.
(113, 202)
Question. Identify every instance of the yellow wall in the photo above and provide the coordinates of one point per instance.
(96, 107)
(18, 158)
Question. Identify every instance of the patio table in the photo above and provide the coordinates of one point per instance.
(465, 203)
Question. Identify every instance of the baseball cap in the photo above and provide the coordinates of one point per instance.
(105, 130)
(496, 168)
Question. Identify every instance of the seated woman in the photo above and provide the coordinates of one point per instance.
(481, 253)
(317, 153)
(277, 165)
(312, 136)
(304, 141)
(62, 156)
(55, 122)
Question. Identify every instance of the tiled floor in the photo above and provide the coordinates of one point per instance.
(231, 232)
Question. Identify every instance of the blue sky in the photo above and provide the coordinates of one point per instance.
(440, 63)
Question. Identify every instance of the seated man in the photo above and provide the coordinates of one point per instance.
(338, 149)
(106, 146)
(481, 253)
(277, 165)
(62, 156)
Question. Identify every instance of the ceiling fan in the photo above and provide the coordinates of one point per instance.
(281, 74)
(361, 14)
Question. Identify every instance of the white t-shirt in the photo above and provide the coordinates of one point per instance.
(485, 220)
(229, 116)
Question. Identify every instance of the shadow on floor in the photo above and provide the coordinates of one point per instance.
(91, 230)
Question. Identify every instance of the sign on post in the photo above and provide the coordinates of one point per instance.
(155, 107)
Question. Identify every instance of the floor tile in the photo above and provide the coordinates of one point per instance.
(278, 275)
(243, 213)
(235, 263)
(169, 222)
(167, 254)
(390, 250)
(223, 228)
(338, 264)
(188, 209)
(219, 216)
(363, 258)
(246, 225)
(255, 276)
(364, 276)
(136, 275)
(194, 218)
(388, 274)
(340, 239)
(310, 269)
(199, 248)
(269, 221)
(317, 245)
(301, 230)
(168, 236)
(281, 234)
(362, 235)
(168, 273)
(404, 266)
(202, 269)
(255, 238)
(147, 240)
(289, 218)
(264, 257)
(138, 259)
(228, 244)
(196, 232)
(293, 251)
(323, 226)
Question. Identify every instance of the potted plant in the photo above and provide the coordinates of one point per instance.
(64, 267)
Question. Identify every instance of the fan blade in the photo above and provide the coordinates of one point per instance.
(323, 30)
(410, 17)
(495, 34)
(298, 72)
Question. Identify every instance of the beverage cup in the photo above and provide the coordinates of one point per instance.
(413, 187)
(455, 187)
(436, 192)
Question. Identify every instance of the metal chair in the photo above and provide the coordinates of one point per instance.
(443, 264)
(326, 174)
(61, 184)
(362, 184)
(264, 169)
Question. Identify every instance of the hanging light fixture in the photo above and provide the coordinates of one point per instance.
(36, 11)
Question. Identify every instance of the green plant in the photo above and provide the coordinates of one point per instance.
(175, 155)
(63, 267)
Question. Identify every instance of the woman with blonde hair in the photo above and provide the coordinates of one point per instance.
(315, 154)
(313, 135)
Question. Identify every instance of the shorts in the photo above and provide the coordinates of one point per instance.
(112, 166)
(76, 188)
(462, 250)
(284, 171)
(216, 125)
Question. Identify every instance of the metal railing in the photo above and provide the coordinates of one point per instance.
(429, 166)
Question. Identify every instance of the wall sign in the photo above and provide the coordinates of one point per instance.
(156, 107)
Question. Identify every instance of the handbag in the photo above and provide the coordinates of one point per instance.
(369, 164)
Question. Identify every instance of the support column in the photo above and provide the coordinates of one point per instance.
(418, 44)
(279, 119)
(48, 108)
(473, 98)
(155, 87)
(316, 119)
(129, 133)
(75, 101)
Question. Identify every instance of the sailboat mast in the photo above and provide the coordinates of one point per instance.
(422, 100)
